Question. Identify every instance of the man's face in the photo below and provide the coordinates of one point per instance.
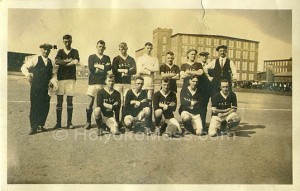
(45, 52)
(148, 49)
(139, 84)
(100, 48)
(225, 87)
(204, 58)
(222, 52)
(165, 86)
(123, 51)
(193, 83)
(169, 59)
(67, 42)
(110, 82)
(192, 56)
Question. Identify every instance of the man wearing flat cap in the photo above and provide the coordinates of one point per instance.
(220, 69)
(41, 74)
(206, 86)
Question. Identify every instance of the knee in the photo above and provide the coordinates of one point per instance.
(147, 111)
(128, 121)
(234, 120)
(97, 112)
(158, 113)
(186, 118)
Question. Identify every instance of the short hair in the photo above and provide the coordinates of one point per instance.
(224, 81)
(190, 50)
(194, 76)
(148, 44)
(138, 78)
(165, 80)
(123, 45)
(171, 53)
(67, 36)
(110, 76)
(101, 42)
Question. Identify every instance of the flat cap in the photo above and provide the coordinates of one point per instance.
(221, 46)
(203, 53)
(46, 46)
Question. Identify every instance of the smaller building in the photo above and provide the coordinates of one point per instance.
(283, 77)
(278, 66)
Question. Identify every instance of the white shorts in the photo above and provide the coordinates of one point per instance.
(196, 121)
(93, 89)
(215, 122)
(169, 122)
(66, 87)
(110, 122)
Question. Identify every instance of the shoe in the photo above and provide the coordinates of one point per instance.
(116, 133)
(100, 132)
(32, 132)
(88, 126)
(158, 131)
(230, 134)
(70, 125)
(147, 131)
(57, 126)
(176, 135)
(42, 128)
(186, 132)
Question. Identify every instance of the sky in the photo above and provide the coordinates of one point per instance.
(28, 28)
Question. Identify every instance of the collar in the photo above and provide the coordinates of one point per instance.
(107, 90)
(45, 60)
(67, 51)
(191, 63)
(99, 56)
(223, 95)
(192, 91)
(124, 57)
(135, 93)
(165, 95)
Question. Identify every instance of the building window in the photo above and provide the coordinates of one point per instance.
(208, 41)
(224, 42)
(252, 55)
(231, 43)
(245, 55)
(238, 65)
(184, 39)
(193, 40)
(230, 54)
(251, 77)
(164, 48)
(251, 66)
(216, 42)
(244, 66)
(245, 45)
(238, 54)
(164, 40)
(200, 49)
(208, 50)
(238, 44)
(201, 41)
(244, 76)
(252, 46)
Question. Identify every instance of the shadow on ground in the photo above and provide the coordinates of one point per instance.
(246, 130)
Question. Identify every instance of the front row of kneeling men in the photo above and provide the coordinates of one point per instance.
(137, 109)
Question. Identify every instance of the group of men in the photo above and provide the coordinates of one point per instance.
(119, 102)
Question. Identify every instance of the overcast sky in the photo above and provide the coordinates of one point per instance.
(27, 28)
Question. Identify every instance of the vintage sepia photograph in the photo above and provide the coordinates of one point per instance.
(149, 96)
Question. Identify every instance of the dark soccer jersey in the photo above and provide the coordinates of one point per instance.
(120, 63)
(186, 97)
(186, 66)
(174, 69)
(104, 97)
(129, 108)
(219, 102)
(67, 72)
(100, 76)
(160, 98)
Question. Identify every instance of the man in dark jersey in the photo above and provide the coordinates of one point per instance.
(40, 72)
(224, 107)
(164, 104)
(136, 105)
(191, 105)
(205, 86)
(191, 68)
(66, 59)
(99, 66)
(221, 68)
(108, 104)
(123, 67)
(170, 71)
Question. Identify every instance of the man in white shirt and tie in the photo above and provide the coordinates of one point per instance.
(221, 68)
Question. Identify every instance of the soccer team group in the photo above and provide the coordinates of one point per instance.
(124, 91)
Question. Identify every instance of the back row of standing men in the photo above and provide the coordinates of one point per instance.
(200, 82)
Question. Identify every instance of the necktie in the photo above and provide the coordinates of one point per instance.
(222, 63)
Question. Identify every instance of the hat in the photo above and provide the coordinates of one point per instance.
(203, 53)
(46, 46)
(221, 46)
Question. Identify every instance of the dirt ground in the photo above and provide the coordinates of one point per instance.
(259, 153)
